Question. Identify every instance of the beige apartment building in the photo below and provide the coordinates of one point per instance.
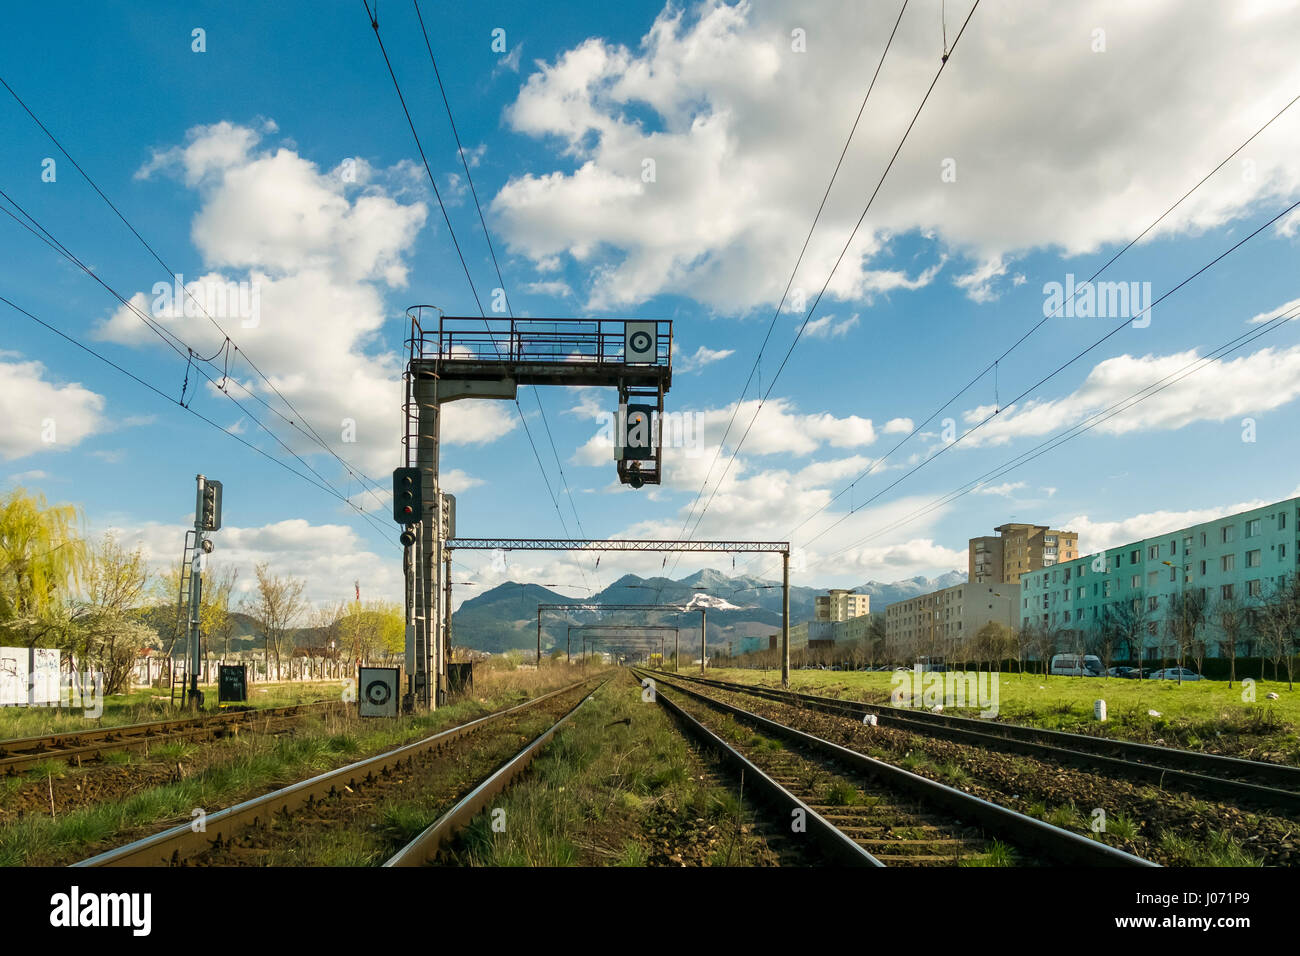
(932, 625)
(841, 605)
(1018, 549)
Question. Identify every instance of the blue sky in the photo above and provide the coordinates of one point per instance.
(233, 162)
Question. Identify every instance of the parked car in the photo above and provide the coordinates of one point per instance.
(1076, 665)
(1127, 673)
(1176, 673)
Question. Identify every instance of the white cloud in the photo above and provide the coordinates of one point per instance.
(556, 287)
(1275, 313)
(1253, 383)
(703, 356)
(319, 250)
(40, 415)
(1005, 490)
(898, 426)
(328, 557)
(714, 94)
(1095, 536)
(827, 328)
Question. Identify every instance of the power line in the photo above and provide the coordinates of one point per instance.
(839, 259)
(993, 365)
(172, 341)
(310, 432)
(1087, 424)
(1060, 368)
(795, 271)
(157, 391)
(374, 23)
(487, 235)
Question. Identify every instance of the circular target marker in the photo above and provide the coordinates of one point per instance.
(640, 341)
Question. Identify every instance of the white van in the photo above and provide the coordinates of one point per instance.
(1075, 665)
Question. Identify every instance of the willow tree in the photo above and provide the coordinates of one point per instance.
(43, 560)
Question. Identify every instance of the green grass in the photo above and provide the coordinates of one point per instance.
(250, 763)
(1198, 715)
(1216, 850)
(151, 703)
(636, 779)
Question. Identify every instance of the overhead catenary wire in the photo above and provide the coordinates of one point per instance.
(844, 251)
(755, 368)
(308, 431)
(374, 23)
(1085, 425)
(487, 235)
(172, 400)
(994, 364)
(172, 341)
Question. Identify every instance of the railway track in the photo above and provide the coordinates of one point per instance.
(862, 811)
(1264, 785)
(19, 753)
(222, 830)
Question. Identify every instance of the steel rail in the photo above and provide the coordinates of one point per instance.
(834, 841)
(424, 848)
(20, 752)
(171, 846)
(1058, 845)
(1083, 750)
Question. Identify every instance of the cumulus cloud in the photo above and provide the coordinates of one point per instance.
(716, 97)
(40, 415)
(327, 557)
(703, 356)
(315, 248)
(1253, 383)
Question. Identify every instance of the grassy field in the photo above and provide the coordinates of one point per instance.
(151, 703)
(616, 787)
(1201, 715)
(249, 764)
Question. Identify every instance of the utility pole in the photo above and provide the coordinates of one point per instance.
(446, 648)
(207, 517)
(785, 618)
(539, 637)
(704, 640)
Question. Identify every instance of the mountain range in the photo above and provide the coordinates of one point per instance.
(505, 618)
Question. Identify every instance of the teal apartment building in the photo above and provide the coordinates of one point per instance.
(1243, 557)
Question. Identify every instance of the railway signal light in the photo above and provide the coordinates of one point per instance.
(406, 495)
(208, 517)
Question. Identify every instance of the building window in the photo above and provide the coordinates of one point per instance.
(1136, 581)
(1153, 603)
(1202, 568)
(1228, 562)
(1173, 575)
(1133, 556)
(1254, 558)
(1281, 552)
(1173, 548)
(1227, 592)
(1281, 520)
(1252, 528)
(1153, 552)
(1202, 539)
(1252, 588)
(1153, 578)
(1227, 534)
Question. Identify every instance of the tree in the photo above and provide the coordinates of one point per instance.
(216, 623)
(1187, 613)
(275, 610)
(1231, 617)
(1279, 618)
(1125, 624)
(993, 642)
(43, 558)
(106, 628)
